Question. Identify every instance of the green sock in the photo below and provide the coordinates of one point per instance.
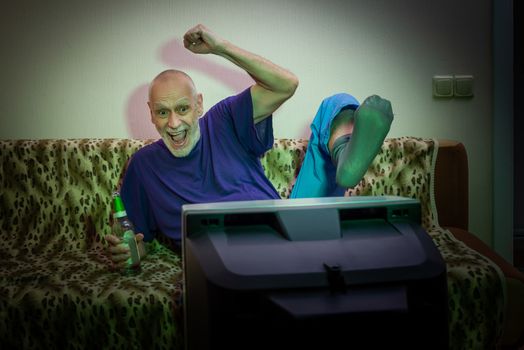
(373, 120)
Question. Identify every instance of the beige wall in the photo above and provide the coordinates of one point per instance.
(73, 69)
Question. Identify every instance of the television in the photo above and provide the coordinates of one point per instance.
(312, 273)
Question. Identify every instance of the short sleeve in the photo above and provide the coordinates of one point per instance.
(256, 138)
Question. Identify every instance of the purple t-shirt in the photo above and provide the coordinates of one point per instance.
(223, 166)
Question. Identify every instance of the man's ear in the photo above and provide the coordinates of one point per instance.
(200, 103)
(150, 111)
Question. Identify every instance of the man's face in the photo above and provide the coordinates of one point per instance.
(175, 108)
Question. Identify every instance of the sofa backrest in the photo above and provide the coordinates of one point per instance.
(404, 167)
(56, 194)
(282, 163)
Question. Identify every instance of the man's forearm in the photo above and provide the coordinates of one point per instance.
(265, 73)
(274, 84)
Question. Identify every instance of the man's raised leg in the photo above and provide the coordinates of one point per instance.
(372, 121)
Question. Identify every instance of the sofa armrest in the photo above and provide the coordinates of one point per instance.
(451, 197)
(479, 246)
(451, 184)
(513, 333)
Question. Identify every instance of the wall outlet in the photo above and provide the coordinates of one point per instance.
(443, 85)
(463, 85)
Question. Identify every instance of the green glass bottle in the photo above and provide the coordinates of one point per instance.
(124, 229)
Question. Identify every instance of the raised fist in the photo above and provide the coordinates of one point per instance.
(201, 40)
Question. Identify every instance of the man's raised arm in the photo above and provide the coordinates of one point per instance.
(274, 84)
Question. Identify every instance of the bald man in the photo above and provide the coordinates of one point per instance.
(202, 157)
(215, 156)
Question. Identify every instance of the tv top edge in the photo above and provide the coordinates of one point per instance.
(270, 205)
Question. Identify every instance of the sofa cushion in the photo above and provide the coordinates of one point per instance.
(73, 300)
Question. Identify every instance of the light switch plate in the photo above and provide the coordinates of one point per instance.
(463, 85)
(443, 85)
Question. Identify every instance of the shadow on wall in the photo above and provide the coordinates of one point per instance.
(175, 55)
(138, 118)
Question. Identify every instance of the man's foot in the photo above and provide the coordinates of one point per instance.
(373, 120)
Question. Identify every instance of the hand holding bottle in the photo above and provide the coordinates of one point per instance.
(120, 251)
(123, 242)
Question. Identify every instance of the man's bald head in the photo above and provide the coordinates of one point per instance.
(172, 76)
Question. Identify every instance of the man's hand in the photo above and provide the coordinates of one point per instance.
(119, 251)
(200, 39)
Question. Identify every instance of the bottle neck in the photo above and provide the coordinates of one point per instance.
(118, 204)
(119, 214)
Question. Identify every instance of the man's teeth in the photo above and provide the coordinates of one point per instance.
(178, 137)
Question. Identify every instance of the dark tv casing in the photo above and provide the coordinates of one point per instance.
(312, 273)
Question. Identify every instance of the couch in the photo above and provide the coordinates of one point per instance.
(58, 290)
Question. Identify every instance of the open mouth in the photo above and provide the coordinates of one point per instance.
(178, 139)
